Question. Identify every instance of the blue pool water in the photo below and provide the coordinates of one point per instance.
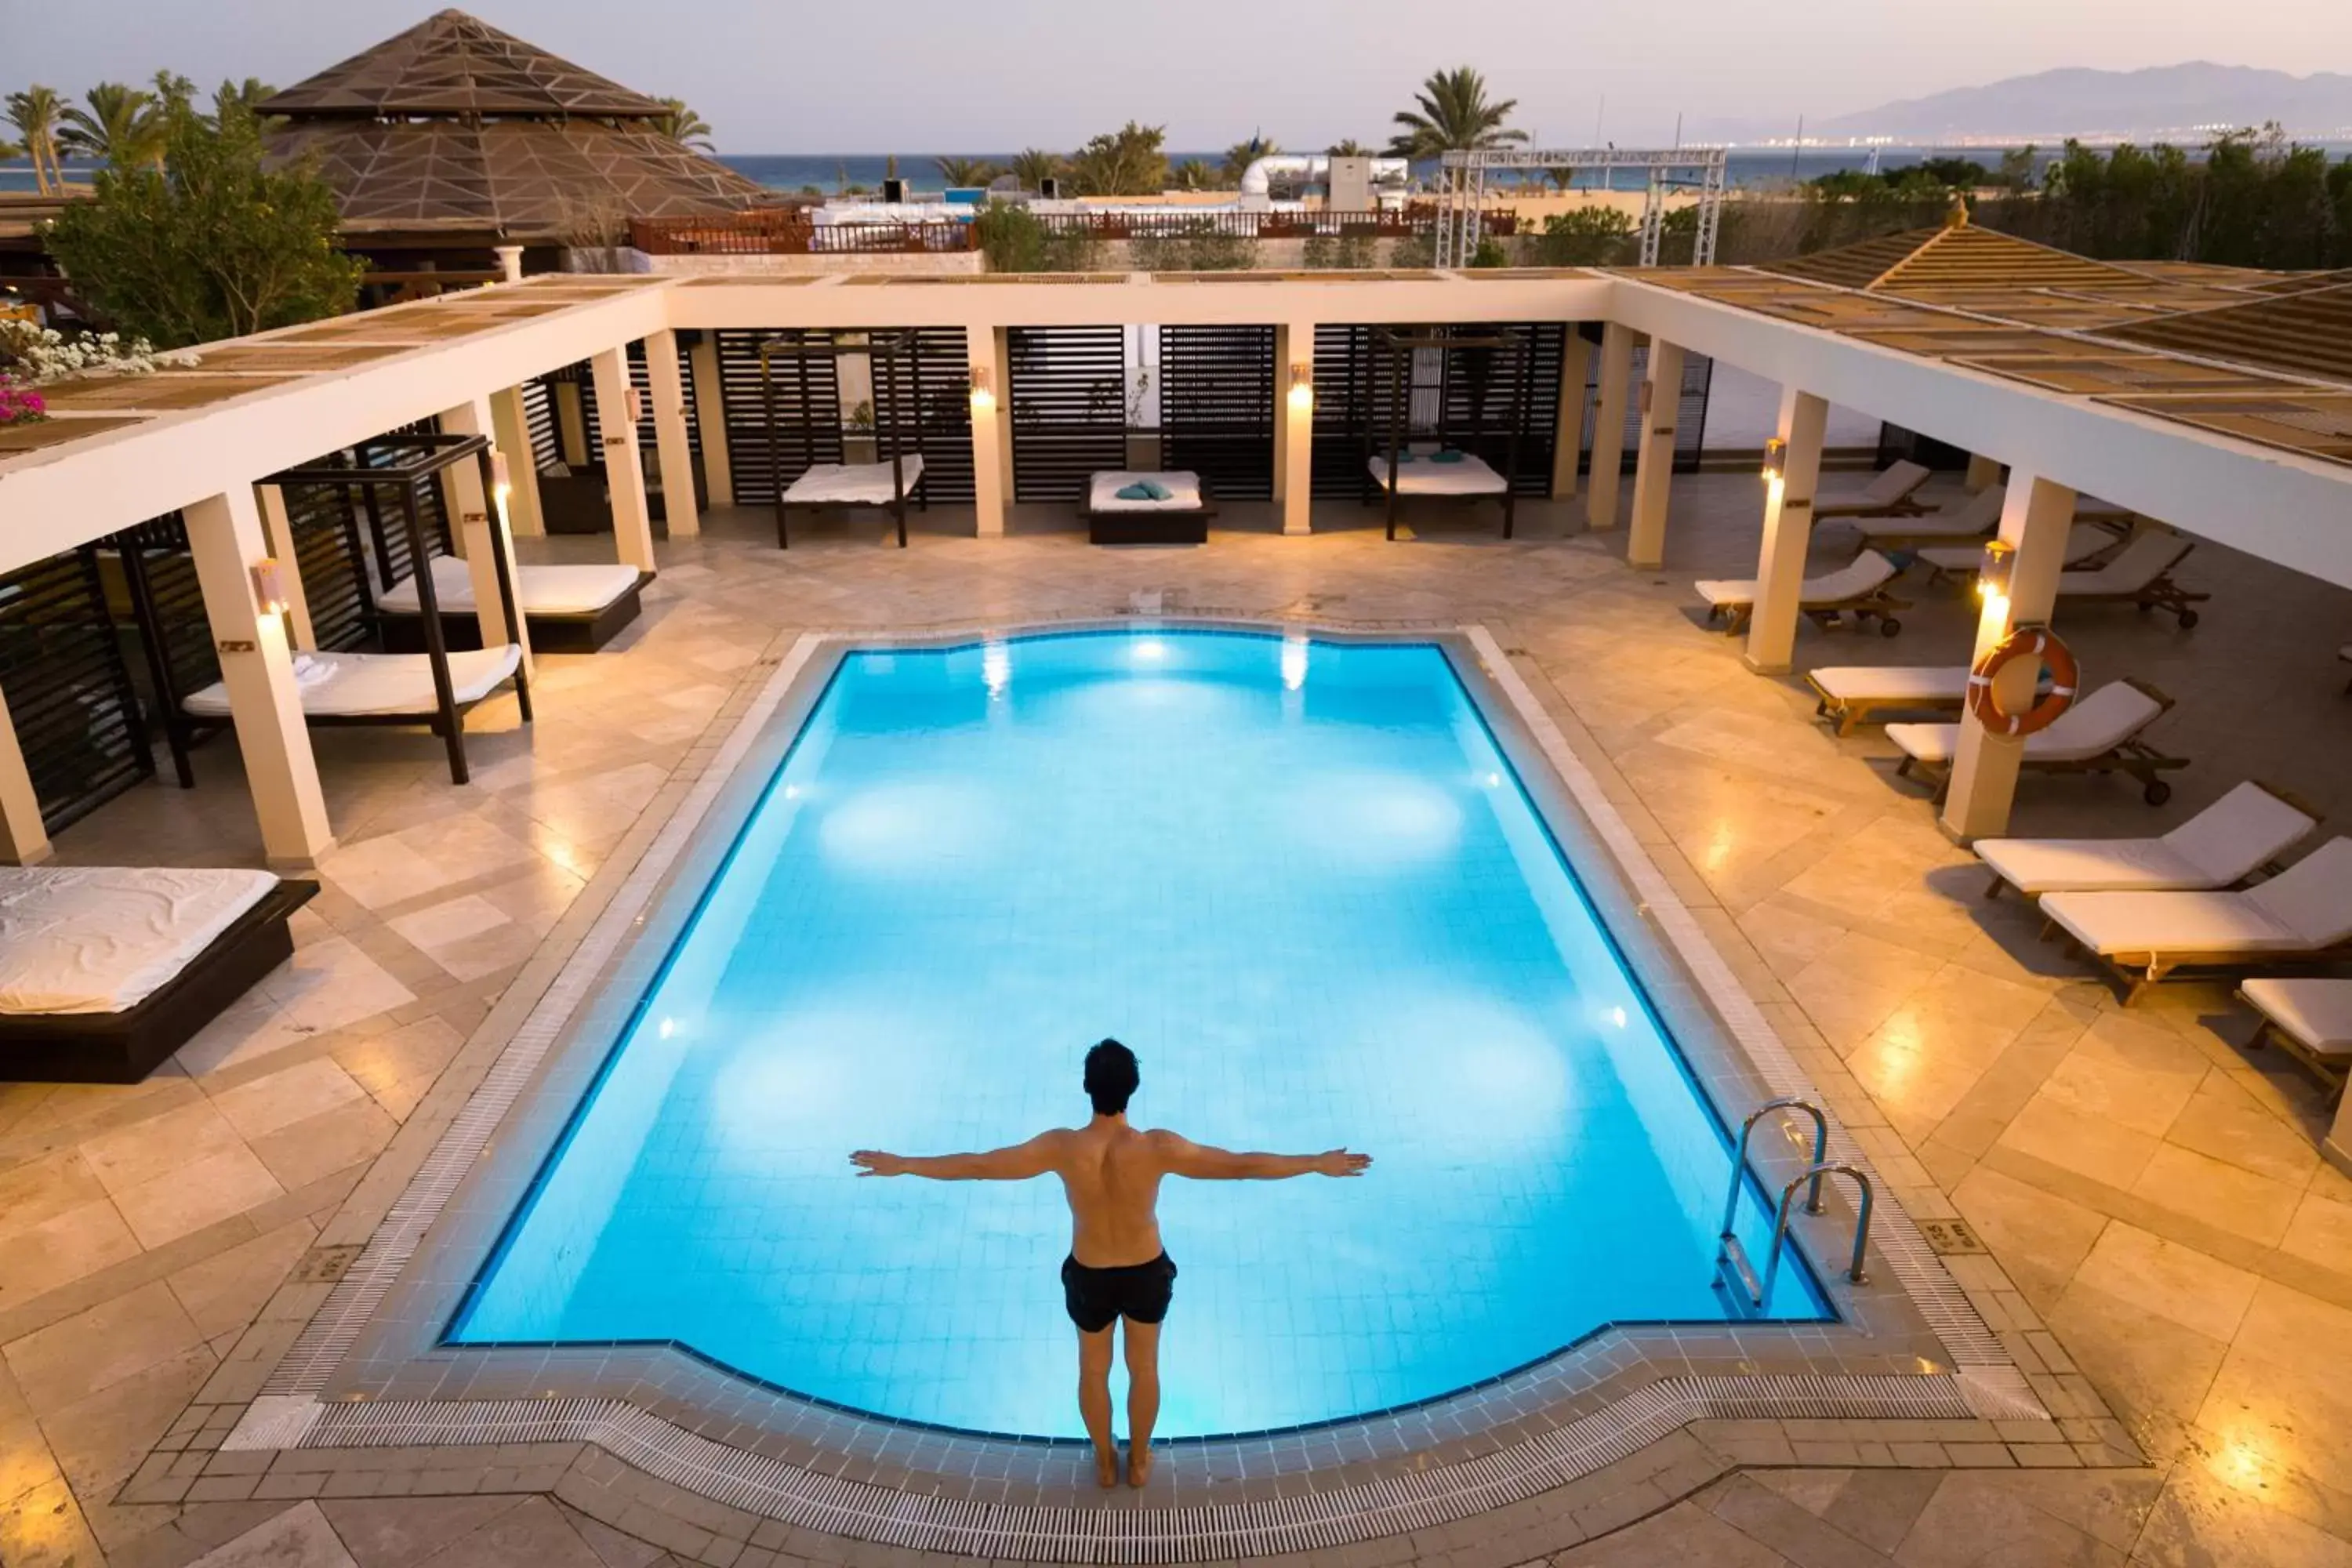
(1301, 881)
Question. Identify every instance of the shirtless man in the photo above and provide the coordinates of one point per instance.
(1116, 1268)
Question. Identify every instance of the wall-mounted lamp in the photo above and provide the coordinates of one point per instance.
(1776, 461)
(983, 392)
(636, 406)
(1645, 395)
(1993, 571)
(270, 586)
(501, 476)
(1302, 388)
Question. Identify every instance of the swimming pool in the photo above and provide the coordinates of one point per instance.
(1302, 881)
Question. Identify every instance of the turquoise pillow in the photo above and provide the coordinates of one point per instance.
(1405, 457)
(1141, 491)
(1446, 457)
(1157, 491)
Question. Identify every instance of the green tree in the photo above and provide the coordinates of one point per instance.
(1588, 237)
(1341, 252)
(1129, 161)
(212, 246)
(681, 124)
(966, 171)
(120, 124)
(1197, 245)
(1242, 154)
(1193, 174)
(1490, 252)
(1014, 239)
(2016, 173)
(173, 92)
(35, 112)
(1350, 148)
(1454, 116)
(1033, 166)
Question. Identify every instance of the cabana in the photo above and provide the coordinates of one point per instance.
(889, 484)
(1450, 467)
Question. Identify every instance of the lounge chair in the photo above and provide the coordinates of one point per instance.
(1182, 518)
(1858, 589)
(105, 971)
(2311, 1018)
(1893, 492)
(575, 608)
(2086, 542)
(2243, 832)
(2141, 574)
(1973, 517)
(1855, 694)
(2099, 735)
(2301, 916)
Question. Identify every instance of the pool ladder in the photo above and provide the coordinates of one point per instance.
(1732, 1271)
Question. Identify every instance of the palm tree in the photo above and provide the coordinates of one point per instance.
(120, 125)
(1193, 174)
(35, 112)
(1033, 166)
(1350, 148)
(248, 95)
(683, 125)
(1242, 154)
(173, 90)
(967, 171)
(1454, 116)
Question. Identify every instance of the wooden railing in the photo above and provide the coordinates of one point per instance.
(791, 231)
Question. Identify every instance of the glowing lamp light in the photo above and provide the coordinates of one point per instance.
(636, 406)
(1302, 388)
(501, 476)
(1776, 461)
(1993, 571)
(270, 586)
(983, 392)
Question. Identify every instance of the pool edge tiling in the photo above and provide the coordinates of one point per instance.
(364, 1387)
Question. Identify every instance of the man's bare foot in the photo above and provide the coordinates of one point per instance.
(1139, 1466)
(1106, 1467)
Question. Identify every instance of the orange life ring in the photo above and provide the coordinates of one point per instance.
(2041, 645)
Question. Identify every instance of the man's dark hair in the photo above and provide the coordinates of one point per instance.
(1111, 1076)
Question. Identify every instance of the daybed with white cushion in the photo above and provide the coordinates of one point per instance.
(2099, 735)
(1858, 589)
(567, 608)
(2301, 916)
(106, 970)
(1857, 693)
(1182, 518)
(2239, 834)
(889, 485)
(2310, 1018)
(387, 688)
(1421, 476)
(1892, 492)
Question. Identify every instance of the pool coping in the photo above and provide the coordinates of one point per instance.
(1908, 1353)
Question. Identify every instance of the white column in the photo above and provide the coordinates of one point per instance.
(1653, 462)
(470, 508)
(511, 423)
(1295, 422)
(226, 538)
(1609, 425)
(23, 840)
(633, 534)
(279, 529)
(710, 419)
(1983, 472)
(992, 476)
(2035, 517)
(670, 445)
(1568, 439)
(1788, 533)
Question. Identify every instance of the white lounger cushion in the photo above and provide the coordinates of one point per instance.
(1857, 579)
(2142, 561)
(2314, 1014)
(1889, 488)
(100, 939)
(1890, 682)
(574, 590)
(2231, 838)
(1184, 488)
(1976, 516)
(852, 484)
(2092, 727)
(1473, 476)
(377, 685)
(2305, 909)
(2082, 541)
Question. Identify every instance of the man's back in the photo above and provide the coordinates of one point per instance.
(1110, 1172)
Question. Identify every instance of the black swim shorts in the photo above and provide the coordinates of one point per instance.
(1096, 1296)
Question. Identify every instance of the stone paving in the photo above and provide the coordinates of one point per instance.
(2159, 1223)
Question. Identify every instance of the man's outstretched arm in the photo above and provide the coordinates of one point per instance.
(1016, 1163)
(1206, 1163)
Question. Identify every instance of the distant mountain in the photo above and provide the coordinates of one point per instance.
(2162, 99)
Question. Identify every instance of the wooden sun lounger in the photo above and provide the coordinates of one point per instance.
(1859, 588)
(1894, 492)
(2128, 755)
(2140, 574)
(1860, 694)
(2310, 1019)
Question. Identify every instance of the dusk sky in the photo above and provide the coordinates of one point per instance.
(951, 75)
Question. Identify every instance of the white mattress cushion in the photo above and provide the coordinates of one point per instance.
(1890, 682)
(1978, 515)
(2160, 923)
(1473, 476)
(1858, 578)
(2313, 898)
(2142, 561)
(2037, 866)
(2317, 1014)
(580, 589)
(1889, 486)
(2093, 727)
(2237, 834)
(101, 939)
(364, 685)
(2082, 541)
(853, 484)
(1182, 485)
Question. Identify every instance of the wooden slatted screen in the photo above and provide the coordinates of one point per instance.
(76, 715)
(1479, 388)
(1352, 389)
(808, 414)
(1069, 408)
(328, 551)
(1351, 385)
(1690, 414)
(1216, 407)
(539, 416)
(931, 384)
(189, 661)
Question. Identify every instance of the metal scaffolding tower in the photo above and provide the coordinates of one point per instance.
(1462, 190)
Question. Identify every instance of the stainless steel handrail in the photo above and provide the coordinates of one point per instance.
(1731, 1259)
(1780, 1224)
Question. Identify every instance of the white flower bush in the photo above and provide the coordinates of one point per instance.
(31, 354)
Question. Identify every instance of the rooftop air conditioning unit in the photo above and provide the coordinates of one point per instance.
(1049, 188)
